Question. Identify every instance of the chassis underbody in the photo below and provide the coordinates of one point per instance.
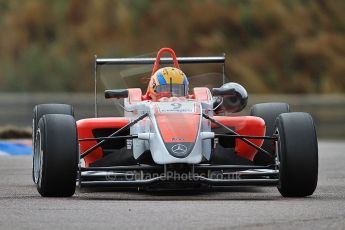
(148, 175)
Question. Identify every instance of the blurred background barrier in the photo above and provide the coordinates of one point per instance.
(272, 47)
(15, 147)
(290, 51)
(328, 110)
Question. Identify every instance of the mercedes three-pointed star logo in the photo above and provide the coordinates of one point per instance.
(179, 149)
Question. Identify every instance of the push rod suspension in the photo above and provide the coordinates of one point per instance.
(239, 136)
(248, 136)
(108, 138)
(87, 152)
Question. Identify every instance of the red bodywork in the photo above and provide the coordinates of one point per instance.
(243, 125)
(85, 128)
(177, 127)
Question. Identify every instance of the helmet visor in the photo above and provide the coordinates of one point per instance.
(175, 90)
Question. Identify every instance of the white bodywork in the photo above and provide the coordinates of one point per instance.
(149, 137)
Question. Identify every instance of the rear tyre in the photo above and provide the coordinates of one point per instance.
(43, 109)
(269, 113)
(56, 155)
(297, 154)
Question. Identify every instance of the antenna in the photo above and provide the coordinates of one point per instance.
(223, 67)
(171, 87)
(96, 114)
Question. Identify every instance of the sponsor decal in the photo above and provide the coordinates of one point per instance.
(176, 107)
(179, 149)
(175, 139)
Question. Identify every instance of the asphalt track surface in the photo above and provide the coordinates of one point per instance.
(21, 207)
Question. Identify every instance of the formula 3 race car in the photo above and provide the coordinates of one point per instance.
(171, 139)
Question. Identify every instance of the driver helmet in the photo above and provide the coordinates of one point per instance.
(168, 82)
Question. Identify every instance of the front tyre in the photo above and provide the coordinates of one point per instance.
(43, 109)
(56, 155)
(297, 154)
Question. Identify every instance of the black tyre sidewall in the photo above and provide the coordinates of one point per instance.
(43, 109)
(60, 155)
(298, 154)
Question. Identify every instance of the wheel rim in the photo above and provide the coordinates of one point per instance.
(277, 152)
(33, 132)
(38, 157)
(277, 147)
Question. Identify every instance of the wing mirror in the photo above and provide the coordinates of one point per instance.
(231, 96)
(116, 93)
(223, 92)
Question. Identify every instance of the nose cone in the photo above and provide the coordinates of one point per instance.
(178, 128)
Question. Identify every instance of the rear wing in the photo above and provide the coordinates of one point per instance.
(143, 61)
(150, 61)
